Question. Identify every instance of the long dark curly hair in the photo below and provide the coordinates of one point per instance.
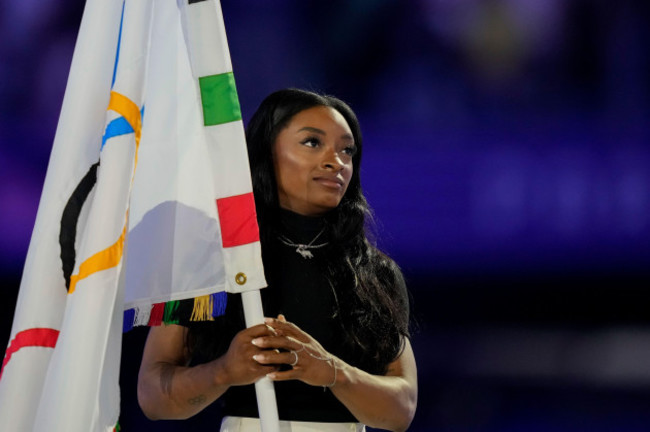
(370, 293)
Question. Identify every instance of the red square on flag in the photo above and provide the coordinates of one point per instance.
(238, 220)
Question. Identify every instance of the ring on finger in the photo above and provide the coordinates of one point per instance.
(295, 362)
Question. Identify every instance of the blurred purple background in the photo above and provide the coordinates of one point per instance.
(508, 161)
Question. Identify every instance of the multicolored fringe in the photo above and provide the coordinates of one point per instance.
(204, 308)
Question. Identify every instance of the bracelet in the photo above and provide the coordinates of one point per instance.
(329, 360)
(333, 364)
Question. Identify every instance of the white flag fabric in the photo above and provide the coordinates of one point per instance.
(147, 200)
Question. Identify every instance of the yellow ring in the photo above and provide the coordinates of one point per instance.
(240, 278)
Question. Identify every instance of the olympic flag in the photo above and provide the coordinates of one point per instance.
(147, 201)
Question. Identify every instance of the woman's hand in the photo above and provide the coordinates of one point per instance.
(239, 365)
(381, 401)
(309, 361)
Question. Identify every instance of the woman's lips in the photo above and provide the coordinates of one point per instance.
(333, 183)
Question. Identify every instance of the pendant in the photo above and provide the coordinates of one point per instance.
(304, 252)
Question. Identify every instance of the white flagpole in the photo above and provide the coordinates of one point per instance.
(266, 402)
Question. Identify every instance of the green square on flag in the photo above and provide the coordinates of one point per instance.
(219, 99)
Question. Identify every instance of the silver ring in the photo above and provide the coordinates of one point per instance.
(295, 362)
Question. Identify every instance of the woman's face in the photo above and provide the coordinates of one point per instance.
(312, 157)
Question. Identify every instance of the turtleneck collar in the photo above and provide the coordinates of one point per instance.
(300, 228)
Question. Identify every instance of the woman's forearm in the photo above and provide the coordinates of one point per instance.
(386, 402)
(169, 391)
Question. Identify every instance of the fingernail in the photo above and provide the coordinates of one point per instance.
(271, 329)
(271, 375)
(257, 341)
(257, 357)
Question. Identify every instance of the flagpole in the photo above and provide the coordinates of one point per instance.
(266, 403)
(205, 36)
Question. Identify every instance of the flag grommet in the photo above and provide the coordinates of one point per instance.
(240, 278)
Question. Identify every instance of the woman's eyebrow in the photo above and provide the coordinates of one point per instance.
(312, 129)
(345, 137)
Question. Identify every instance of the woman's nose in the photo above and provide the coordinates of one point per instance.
(332, 161)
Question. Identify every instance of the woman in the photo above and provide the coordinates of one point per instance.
(339, 348)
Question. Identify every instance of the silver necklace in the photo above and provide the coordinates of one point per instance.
(303, 249)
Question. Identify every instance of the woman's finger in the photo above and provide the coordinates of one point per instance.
(277, 342)
(287, 328)
(258, 331)
(291, 374)
(271, 357)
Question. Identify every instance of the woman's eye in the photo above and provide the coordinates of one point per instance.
(350, 150)
(311, 142)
